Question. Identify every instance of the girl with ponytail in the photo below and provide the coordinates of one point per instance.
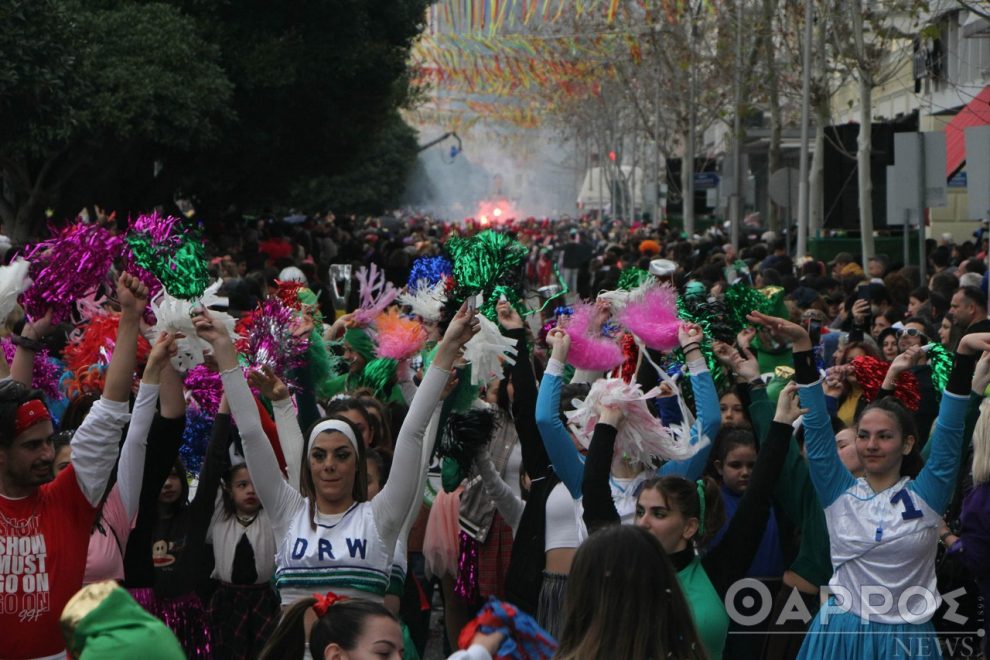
(684, 515)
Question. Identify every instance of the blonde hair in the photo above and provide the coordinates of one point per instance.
(981, 445)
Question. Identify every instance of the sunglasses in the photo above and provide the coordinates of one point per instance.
(911, 332)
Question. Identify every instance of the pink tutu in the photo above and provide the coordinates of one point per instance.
(441, 545)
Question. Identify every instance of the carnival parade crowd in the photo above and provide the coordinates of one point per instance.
(586, 438)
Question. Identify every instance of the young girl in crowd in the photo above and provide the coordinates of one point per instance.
(882, 526)
(330, 537)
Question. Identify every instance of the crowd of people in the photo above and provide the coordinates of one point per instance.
(603, 439)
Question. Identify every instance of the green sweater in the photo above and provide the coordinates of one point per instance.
(795, 497)
(707, 609)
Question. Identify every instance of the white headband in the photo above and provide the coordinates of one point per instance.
(334, 425)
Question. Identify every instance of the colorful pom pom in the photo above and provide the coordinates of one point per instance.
(589, 350)
(653, 318)
(429, 271)
(523, 638)
(486, 351)
(47, 372)
(204, 387)
(269, 338)
(172, 253)
(940, 362)
(631, 278)
(70, 265)
(870, 373)
(89, 351)
(399, 338)
(195, 439)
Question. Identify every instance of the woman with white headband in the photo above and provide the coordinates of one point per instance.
(328, 537)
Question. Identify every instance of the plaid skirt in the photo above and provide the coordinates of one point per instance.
(493, 559)
(243, 618)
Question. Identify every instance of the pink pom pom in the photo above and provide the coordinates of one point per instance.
(589, 349)
(68, 266)
(399, 338)
(653, 318)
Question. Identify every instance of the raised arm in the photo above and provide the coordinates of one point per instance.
(28, 344)
(706, 402)
(290, 435)
(730, 559)
(278, 497)
(130, 469)
(599, 508)
(96, 442)
(215, 463)
(828, 474)
(392, 503)
(937, 479)
(557, 441)
(534, 454)
(510, 506)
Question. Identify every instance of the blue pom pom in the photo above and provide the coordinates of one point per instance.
(199, 427)
(565, 310)
(430, 270)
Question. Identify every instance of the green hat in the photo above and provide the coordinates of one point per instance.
(103, 622)
(360, 343)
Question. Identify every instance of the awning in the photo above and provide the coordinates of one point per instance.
(976, 113)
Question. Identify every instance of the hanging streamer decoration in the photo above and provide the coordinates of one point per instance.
(70, 265)
(172, 253)
(870, 373)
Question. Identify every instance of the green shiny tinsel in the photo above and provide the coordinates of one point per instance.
(940, 361)
(630, 278)
(182, 271)
(379, 375)
(489, 263)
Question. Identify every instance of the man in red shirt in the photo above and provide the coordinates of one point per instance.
(45, 524)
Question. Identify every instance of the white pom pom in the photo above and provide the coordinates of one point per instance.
(426, 301)
(175, 315)
(486, 351)
(14, 281)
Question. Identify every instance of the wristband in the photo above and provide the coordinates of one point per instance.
(757, 382)
(688, 347)
(941, 539)
(26, 343)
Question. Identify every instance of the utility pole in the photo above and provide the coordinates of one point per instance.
(804, 198)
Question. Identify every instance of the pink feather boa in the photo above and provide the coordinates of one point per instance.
(589, 349)
(653, 318)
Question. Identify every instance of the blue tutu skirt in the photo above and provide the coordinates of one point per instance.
(845, 637)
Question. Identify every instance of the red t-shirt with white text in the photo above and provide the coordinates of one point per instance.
(43, 546)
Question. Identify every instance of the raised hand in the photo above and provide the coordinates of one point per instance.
(783, 330)
(861, 311)
(560, 343)
(906, 360)
(163, 350)
(132, 295)
(462, 327)
(208, 330)
(690, 333)
(270, 385)
(508, 317)
(789, 405)
(39, 328)
(611, 415)
(974, 344)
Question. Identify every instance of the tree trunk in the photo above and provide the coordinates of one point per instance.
(773, 99)
(865, 179)
(687, 184)
(816, 218)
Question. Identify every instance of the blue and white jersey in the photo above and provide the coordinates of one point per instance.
(885, 540)
(883, 544)
(345, 555)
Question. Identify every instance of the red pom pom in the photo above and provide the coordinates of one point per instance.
(870, 373)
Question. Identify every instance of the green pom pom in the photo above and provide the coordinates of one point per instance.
(488, 263)
(182, 271)
(630, 278)
(940, 361)
(379, 375)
